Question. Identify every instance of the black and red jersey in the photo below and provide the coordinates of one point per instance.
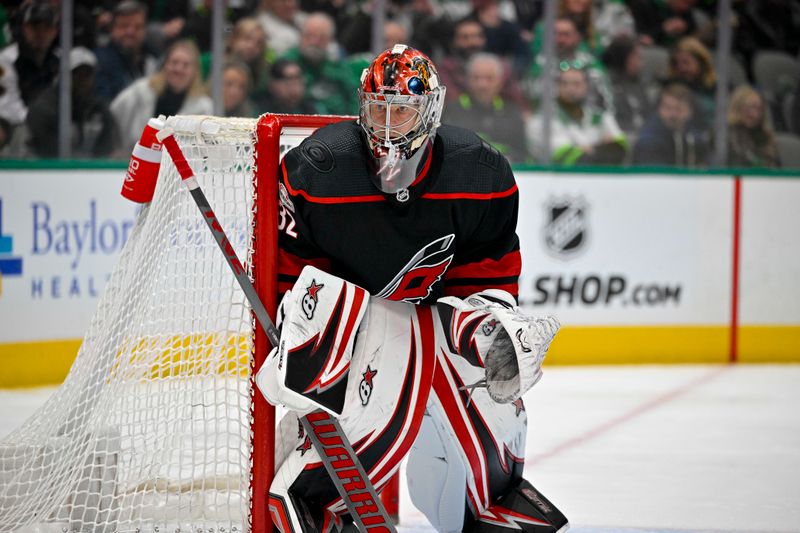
(453, 232)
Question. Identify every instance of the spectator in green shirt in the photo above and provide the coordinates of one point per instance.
(329, 82)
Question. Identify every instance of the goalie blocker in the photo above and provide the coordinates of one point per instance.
(397, 375)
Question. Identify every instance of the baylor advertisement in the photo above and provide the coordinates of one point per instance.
(62, 232)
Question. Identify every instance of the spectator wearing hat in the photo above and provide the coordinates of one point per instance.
(125, 58)
(92, 128)
(33, 57)
(287, 90)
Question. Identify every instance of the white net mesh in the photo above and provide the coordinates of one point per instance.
(150, 431)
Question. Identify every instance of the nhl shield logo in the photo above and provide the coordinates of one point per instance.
(565, 229)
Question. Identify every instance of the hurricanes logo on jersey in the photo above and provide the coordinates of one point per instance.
(415, 281)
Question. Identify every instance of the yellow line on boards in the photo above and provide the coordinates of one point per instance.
(28, 364)
(581, 345)
(769, 344)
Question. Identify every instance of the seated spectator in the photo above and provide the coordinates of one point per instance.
(281, 20)
(468, 40)
(177, 89)
(165, 23)
(33, 57)
(125, 58)
(614, 19)
(483, 110)
(330, 84)
(430, 25)
(236, 83)
(580, 12)
(393, 33)
(632, 98)
(581, 133)
(503, 37)
(248, 45)
(665, 23)
(93, 131)
(669, 138)
(287, 91)
(12, 109)
(197, 26)
(751, 141)
(691, 64)
(571, 52)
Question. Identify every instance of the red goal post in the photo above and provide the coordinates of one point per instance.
(272, 133)
(271, 136)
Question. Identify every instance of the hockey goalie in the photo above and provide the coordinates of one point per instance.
(399, 263)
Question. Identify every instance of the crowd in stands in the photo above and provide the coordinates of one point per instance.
(634, 80)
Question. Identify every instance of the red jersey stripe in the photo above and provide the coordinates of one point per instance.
(469, 195)
(508, 265)
(328, 200)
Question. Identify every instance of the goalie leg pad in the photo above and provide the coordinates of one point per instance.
(391, 372)
(437, 475)
(471, 448)
(524, 509)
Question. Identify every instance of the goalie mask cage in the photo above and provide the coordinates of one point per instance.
(157, 427)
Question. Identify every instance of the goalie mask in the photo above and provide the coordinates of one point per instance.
(401, 104)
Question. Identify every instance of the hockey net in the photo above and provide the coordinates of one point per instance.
(157, 427)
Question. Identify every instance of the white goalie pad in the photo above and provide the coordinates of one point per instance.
(319, 319)
(514, 359)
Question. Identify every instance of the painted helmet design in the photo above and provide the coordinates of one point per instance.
(401, 103)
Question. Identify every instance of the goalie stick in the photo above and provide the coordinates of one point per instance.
(324, 430)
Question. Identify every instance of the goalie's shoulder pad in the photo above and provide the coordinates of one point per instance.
(319, 320)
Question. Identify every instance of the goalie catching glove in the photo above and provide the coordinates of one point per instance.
(318, 320)
(514, 358)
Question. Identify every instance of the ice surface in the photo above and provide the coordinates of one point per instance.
(644, 448)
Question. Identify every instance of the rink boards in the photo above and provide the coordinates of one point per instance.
(639, 267)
